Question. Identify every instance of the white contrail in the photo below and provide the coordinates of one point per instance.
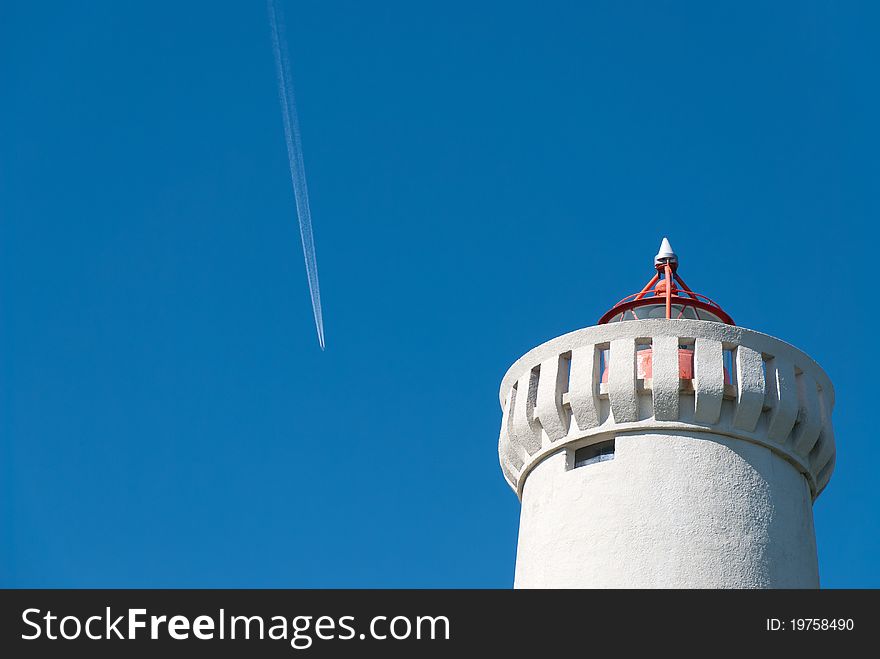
(294, 155)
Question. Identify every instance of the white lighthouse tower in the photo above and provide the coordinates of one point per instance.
(666, 447)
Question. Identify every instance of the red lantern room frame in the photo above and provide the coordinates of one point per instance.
(662, 287)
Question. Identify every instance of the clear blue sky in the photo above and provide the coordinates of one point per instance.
(166, 416)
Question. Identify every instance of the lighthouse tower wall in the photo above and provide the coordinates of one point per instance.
(683, 510)
(666, 482)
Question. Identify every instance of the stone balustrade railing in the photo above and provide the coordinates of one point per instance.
(745, 385)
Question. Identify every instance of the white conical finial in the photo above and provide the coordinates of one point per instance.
(665, 253)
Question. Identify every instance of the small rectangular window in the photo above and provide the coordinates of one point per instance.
(594, 453)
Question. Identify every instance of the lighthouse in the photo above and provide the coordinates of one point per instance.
(666, 447)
